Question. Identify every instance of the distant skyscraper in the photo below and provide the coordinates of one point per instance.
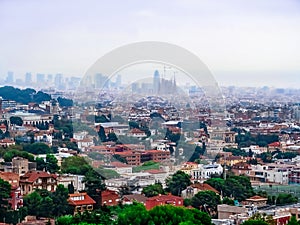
(28, 79)
(101, 81)
(49, 78)
(40, 78)
(156, 82)
(10, 77)
(58, 81)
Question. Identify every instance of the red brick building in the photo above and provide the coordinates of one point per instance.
(109, 198)
(132, 158)
(163, 200)
(155, 155)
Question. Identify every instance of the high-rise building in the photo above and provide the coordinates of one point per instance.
(10, 77)
(40, 78)
(156, 82)
(28, 79)
(49, 78)
(58, 81)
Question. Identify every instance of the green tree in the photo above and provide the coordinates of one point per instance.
(51, 164)
(93, 186)
(285, 198)
(5, 189)
(168, 214)
(207, 201)
(227, 201)
(153, 190)
(40, 164)
(37, 148)
(16, 120)
(293, 221)
(112, 137)
(71, 188)
(101, 134)
(217, 183)
(134, 214)
(64, 102)
(11, 153)
(178, 182)
(75, 165)
(15, 216)
(60, 201)
(32, 202)
(45, 207)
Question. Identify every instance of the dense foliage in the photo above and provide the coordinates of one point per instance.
(238, 187)
(166, 214)
(42, 203)
(4, 195)
(153, 190)
(178, 182)
(75, 165)
(23, 96)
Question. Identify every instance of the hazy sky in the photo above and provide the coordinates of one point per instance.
(253, 42)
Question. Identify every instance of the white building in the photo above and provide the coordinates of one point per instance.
(76, 180)
(206, 171)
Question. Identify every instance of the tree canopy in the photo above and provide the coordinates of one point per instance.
(207, 201)
(178, 182)
(5, 188)
(75, 165)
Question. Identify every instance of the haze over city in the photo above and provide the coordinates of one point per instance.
(244, 43)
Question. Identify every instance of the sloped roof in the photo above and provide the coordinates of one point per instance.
(135, 197)
(204, 187)
(32, 176)
(86, 199)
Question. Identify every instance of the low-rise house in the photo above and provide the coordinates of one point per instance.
(81, 202)
(109, 198)
(206, 171)
(159, 176)
(188, 166)
(137, 133)
(129, 199)
(84, 143)
(7, 142)
(163, 200)
(3, 128)
(193, 189)
(33, 180)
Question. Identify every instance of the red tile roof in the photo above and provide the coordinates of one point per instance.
(32, 176)
(84, 199)
(163, 198)
(6, 141)
(204, 187)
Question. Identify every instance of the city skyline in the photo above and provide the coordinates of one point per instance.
(243, 43)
